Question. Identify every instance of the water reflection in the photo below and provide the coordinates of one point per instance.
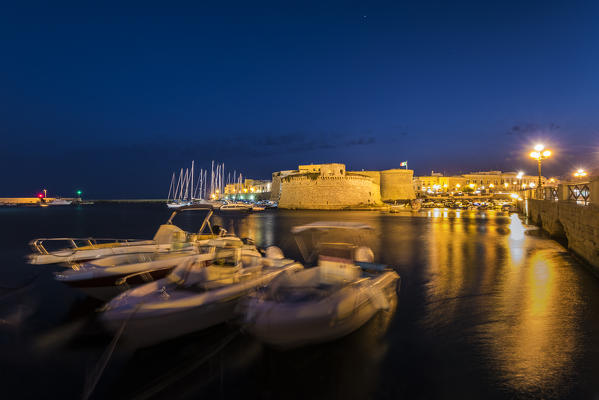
(519, 302)
(535, 338)
(485, 310)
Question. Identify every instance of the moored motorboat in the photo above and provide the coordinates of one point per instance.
(178, 204)
(59, 202)
(323, 303)
(70, 251)
(397, 208)
(199, 293)
(102, 279)
(235, 208)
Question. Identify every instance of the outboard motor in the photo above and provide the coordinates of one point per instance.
(218, 230)
(274, 252)
(364, 254)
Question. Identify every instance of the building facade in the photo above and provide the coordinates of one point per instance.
(250, 189)
(482, 181)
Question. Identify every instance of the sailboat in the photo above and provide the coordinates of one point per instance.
(179, 195)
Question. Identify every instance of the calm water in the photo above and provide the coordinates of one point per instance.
(488, 308)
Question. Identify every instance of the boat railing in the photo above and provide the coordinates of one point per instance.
(39, 245)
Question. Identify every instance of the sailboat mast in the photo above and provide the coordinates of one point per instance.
(191, 193)
(212, 180)
(178, 189)
(170, 188)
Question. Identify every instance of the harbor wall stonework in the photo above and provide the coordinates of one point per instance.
(395, 184)
(328, 192)
(576, 223)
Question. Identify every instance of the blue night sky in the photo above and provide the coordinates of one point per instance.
(113, 99)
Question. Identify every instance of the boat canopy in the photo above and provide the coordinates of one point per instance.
(327, 225)
(193, 207)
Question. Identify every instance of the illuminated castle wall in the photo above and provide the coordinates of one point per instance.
(330, 186)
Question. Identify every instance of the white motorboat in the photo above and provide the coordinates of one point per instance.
(102, 279)
(178, 204)
(59, 202)
(397, 208)
(199, 293)
(109, 276)
(323, 303)
(257, 208)
(70, 251)
(235, 208)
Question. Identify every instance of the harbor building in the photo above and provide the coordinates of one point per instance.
(250, 189)
(487, 181)
(331, 186)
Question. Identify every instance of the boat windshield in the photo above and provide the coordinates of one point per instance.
(337, 250)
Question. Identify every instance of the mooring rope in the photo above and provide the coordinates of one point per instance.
(186, 371)
(106, 356)
(12, 290)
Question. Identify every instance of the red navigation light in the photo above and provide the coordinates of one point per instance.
(40, 195)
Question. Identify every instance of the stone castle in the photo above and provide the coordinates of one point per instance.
(330, 186)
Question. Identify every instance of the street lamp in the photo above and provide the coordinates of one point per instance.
(540, 154)
(581, 173)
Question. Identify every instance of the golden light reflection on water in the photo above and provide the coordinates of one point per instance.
(536, 338)
(519, 298)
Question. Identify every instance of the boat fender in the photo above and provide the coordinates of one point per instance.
(364, 254)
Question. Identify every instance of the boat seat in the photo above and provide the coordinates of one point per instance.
(334, 270)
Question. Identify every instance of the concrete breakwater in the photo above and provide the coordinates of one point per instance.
(23, 200)
(575, 225)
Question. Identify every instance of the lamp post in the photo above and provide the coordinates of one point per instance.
(519, 177)
(540, 154)
(581, 173)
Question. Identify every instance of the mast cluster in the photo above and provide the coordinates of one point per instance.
(190, 186)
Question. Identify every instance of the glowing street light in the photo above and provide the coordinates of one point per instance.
(581, 173)
(540, 154)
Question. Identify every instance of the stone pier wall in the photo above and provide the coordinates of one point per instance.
(23, 200)
(578, 224)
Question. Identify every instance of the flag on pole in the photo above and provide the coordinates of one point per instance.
(404, 164)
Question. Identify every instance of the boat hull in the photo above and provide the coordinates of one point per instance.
(105, 288)
(149, 321)
(293, 325)
(144, 332)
